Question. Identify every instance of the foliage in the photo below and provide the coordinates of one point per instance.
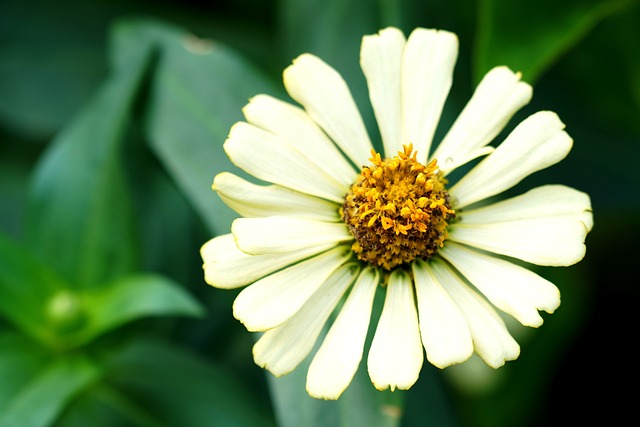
(112, 120)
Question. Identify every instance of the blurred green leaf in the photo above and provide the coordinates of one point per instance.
(294, 407)
(97, 406)
(131, 298)
(38, 302)
(20, 360)
(601, 78)
(44, 397)
(170, 230)
(16, 162)
(26, 284)
(363, 404)
(360, 404)
(169, 384)
(79, 213)
(41, 87)
(199, 88)
(333, 31)
(429, 402)
(50, 63)
(530, 36)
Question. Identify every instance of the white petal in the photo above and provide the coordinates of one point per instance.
(396, 354)
(271, 159)
(281, 350)
(325, 96)
(292, 124)
(252, 200)
(513, 289)
(337, 360)
(381, 62)
(556, 201)
(536, 143)
(278, 234)
(543, 241)
(427, 72)
(497, 98)
(491, 339)
(272, 300)
(445, 333)
(227, 267)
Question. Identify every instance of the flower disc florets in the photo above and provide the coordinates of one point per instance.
(397, 210)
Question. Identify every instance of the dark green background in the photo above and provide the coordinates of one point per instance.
(111, 133)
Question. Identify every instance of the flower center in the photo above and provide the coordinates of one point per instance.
(397, 210)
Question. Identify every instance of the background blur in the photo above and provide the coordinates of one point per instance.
(112, 117)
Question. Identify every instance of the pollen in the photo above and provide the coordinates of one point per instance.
(397, 210)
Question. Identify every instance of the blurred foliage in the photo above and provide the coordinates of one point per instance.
(112, 117)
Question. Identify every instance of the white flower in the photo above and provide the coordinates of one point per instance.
(324, 229)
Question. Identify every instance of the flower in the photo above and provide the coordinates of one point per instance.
(340, 222)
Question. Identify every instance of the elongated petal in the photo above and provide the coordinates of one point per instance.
(252, 200)
(278, 234)
(497, 98)
(536, 143)
(281, 350)
(271, 159)
(444, 330)
(292, 124)
(227, 267)
(491, 339)
(543, 241)
(381, 62)
(556, 201)
(337, 360)
(427, 72)
(272, 300)
(513, 289)
(396, 355)
(325, 96)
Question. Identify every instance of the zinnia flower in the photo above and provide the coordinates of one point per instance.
(339, 222)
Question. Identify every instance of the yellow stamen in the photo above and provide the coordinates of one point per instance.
(397, 210)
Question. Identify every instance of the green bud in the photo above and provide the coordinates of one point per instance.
(66, 313)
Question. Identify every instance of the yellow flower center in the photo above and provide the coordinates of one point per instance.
(397, 210)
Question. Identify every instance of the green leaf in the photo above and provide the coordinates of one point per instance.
(26, 284)
(530, 36)
(429, 402)
(198, 91)
(79, 213)
(42, 88)
(37, 301)
(171, 230)
(131, 298)
(329, 29)
(20, 360)
(105, 407)
(294, 407)
(333, 30)
(165, 383)
(360, 404)
(51, 61)
(603, 76)
(44, 397)
(16, 160)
